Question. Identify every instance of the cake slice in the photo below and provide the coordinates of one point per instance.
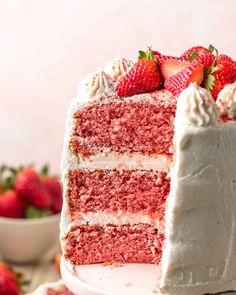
(150, 177)
(118, 156)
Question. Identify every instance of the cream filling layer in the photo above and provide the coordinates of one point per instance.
(118, 219)
(134, 161)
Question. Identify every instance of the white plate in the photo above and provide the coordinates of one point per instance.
(128, 279)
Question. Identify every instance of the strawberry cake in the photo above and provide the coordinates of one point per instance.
(149, 169)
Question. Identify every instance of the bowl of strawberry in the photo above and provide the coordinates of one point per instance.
(30, 206)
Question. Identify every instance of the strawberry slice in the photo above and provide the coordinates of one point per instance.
(161, 58)
(143, 77)
(171, 67)
(193, 73)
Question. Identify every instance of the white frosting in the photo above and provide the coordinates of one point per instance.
(200, 253)
(196, 107)
(95, 86)
(118, 67)
(226, 101)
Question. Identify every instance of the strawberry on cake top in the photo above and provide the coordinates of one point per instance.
(149, 169)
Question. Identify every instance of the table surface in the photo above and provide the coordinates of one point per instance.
(37, 273)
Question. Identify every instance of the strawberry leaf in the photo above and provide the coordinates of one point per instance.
(213, 69)
(33, 212)
(213, 50)
(193, 56)
(20, 281)
(44, 170)
(148, 54)
(142, 54)
(9, 183)
(209, 82)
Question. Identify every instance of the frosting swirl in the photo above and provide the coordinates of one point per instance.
(118, 67)
(226, 101)
(196, 107)
(95, 86)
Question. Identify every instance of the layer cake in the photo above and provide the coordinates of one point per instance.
(151, 177)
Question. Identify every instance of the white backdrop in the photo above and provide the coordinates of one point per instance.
(47, 46)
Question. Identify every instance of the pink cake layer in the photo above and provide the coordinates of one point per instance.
(124, 127)
(112, 190)
(139, 243)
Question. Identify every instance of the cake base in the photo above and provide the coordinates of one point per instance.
(97, 279)
(127, 279)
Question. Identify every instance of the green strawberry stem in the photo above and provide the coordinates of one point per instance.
(7, 178)
(44, 170)
(33, 212)
(193, 56)
(209, 78)
(213, 50)
(148, 54)
(20, 281)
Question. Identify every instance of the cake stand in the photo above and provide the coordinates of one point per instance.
(127, 279)
(97, 279)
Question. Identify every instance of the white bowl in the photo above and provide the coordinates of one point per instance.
(28, 240)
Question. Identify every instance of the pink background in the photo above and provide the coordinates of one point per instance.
(47, 46)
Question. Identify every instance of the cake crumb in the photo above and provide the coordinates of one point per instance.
(112, 264)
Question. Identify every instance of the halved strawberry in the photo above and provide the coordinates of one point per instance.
(143, 77)
(161, 58)
(193, 73)
(198, 50)
(171, 67)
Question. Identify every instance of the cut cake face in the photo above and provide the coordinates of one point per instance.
(151, 178)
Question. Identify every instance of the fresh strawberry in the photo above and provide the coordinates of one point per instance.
(217, 76)
(207, 59)
(222, 57)
(31, 189)
(57, 262)
(193, 73)
(171, 67)
(11, 205)
(198, 50)
(154, 52)
(5, 271)
(143, 77)
(54, 187)
(8, 284)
